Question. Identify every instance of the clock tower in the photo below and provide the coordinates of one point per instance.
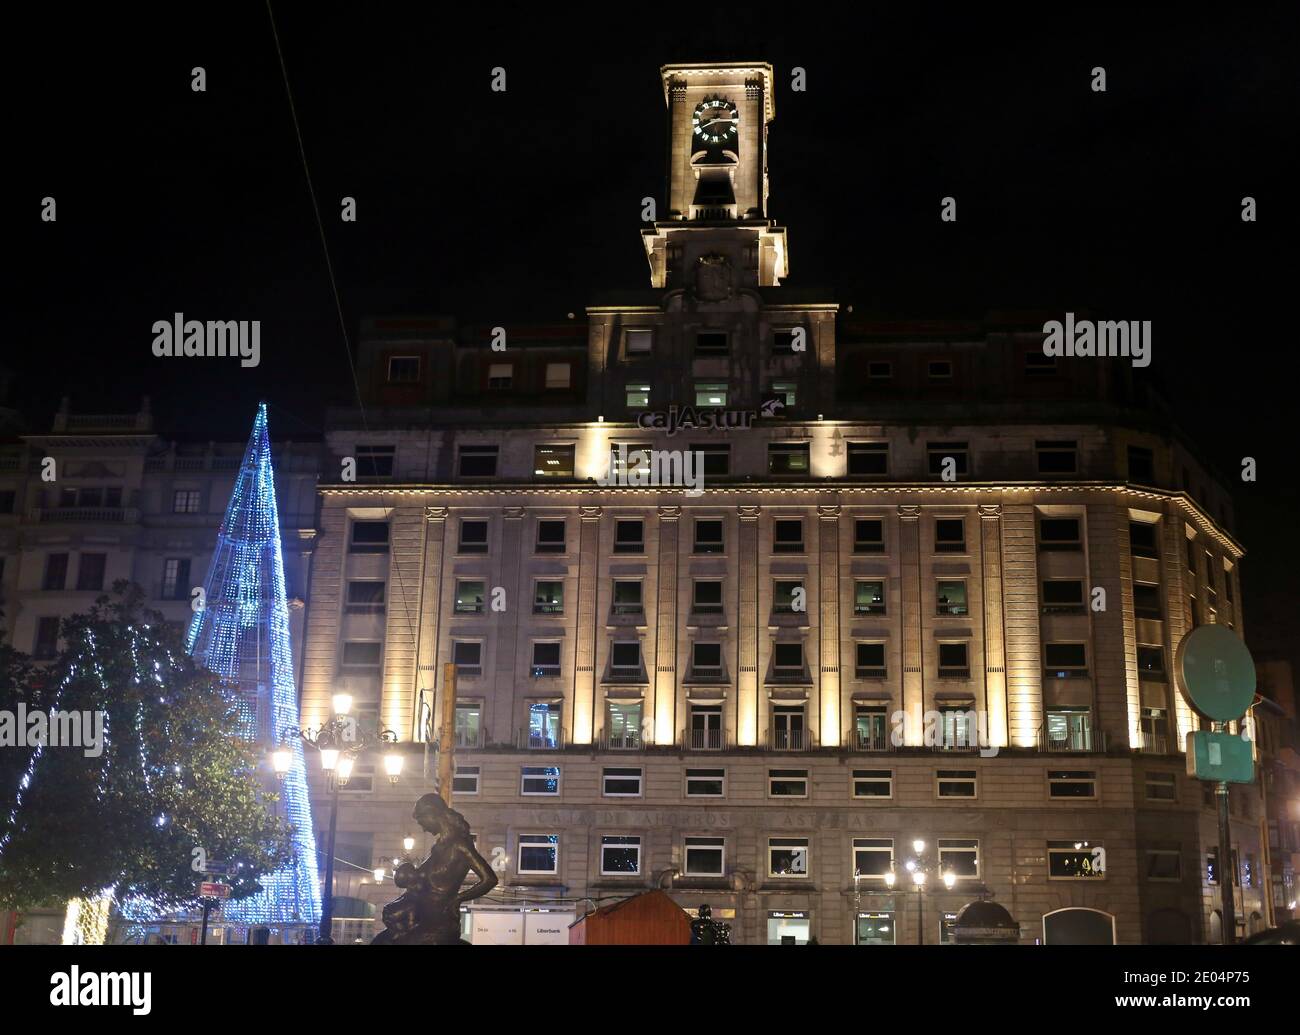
(717, 181)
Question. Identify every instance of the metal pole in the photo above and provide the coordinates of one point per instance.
(447, 733)
(920, 916)
(327, 903)
(207, 908)
(1227, 871)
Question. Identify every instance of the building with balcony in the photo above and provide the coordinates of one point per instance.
(745, 593)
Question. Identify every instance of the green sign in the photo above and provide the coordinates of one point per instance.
(1215, 673)
(1220, 756)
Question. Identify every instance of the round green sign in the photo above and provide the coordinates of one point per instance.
(1215, 673)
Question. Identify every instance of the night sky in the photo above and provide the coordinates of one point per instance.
(525, 205)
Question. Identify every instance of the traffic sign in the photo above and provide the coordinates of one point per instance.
(210, 890)
(1221, 757)
(1215, 672)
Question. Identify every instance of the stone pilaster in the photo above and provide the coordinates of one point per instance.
(499, 712)
(1024, 660)
(828, 621)
(584, 662)
(909, 556)
(746, 569)
(664, 672)
(427, 677)
(995, 658)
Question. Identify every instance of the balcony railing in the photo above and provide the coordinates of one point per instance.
(704, 740)
(105, 515)
(790, 740)
(536, 740)
(873, 740)
(1154, 744)
(1072, 740)
(626, 740)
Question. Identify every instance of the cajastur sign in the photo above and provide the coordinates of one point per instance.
(707, 418)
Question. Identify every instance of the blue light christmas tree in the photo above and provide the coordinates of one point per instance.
(242, 634)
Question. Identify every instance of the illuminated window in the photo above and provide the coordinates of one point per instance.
(710, 393)
(620, 855)
(553, 461)
(783, 595)
(501, 375)
(1075, 860)
(469, 597)
(638, 395)
(548, 597)
(787, 857)
(950, 597)
(868, 597)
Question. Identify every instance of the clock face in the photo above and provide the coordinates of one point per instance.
(715, 121)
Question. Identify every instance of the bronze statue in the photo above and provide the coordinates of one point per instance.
(428, 910)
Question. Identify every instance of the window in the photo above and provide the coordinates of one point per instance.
(1075, 860)
(959, 856)
(1065, 660)
(788, 733)
(465, 780)
(544, 725)
(713, 459)
(467, 656)
(950, 597)
(633, 457)
(550, 536)
(870, 661)
(620, 855)
(938, 452)
(469, 725)
(1058, 534)
(787, 783)
(880, 370)
(1057, 457)
(7, 499)
(477, 461)
(624, 724)
(787, 857)
(56, 571)
(625, 657)
(868, 535)
(403, 370)
(1154, 724)
(1142, 539)
(1146, 601)
(705, 783)
(787, 458)
(1164, 864)
(950, 535)
(958, 728)
(620, 782)
(469, 597)
(364, 597)
(868, 458)
(710, 393)
(629, 536)
(369, 537)
(548, 598)
(787, 535)
(362, 654)
(869, 726)
(1037, 364)
(375, 461)
(706, 727)
(538, 853)
(1191, 554)
(1141, 465)
(1151, 663)
(873, 856)
(473, 536)
(706, 659)
(1071, 783)
(940, 369)
(176, 578)
(638, 341)
(953, 661)
(711, 343)
(186, 501)
(785, 391)
(546, 659)
(783, 341)
(627, 597)
(788, 658)
(707, 597)
(873, 783)
(708, 536)
(1161, 786)
(47, 638)
(501, 375)
(956, 783)
(539, 779)
(868, 597)
(1063, 597)
(557, 375)
(704, 857)
(783, 595)
(553, 461)
(638, 395)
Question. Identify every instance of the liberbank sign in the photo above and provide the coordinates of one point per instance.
(707, 418)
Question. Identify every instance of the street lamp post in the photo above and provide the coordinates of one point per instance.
(339, 743)
(919, 866)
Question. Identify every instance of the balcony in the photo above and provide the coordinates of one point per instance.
(704, 740)
(88, 515)
(537, 740)
(1071, 741)
(790, 740)
(1155, 744)
(872, 740)
(626, 740)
